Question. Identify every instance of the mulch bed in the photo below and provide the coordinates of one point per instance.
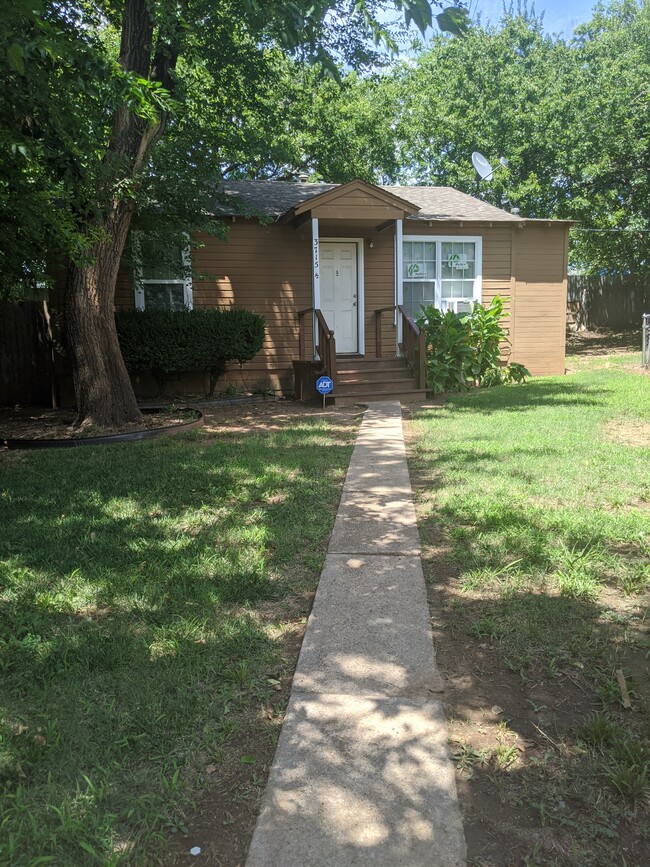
(31, 423)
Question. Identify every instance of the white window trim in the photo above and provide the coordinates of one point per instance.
(477, 240)
(139, 282)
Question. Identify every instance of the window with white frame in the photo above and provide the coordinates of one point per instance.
(419, 277)
(444, 272)
(162, 274)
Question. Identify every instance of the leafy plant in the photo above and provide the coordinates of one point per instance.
(628, 772)
(449, 354)
(485, 336)
(464, 349)
(598, 730)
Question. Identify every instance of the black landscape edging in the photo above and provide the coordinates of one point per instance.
(132, 437)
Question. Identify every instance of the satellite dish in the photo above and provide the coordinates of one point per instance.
(483, 169)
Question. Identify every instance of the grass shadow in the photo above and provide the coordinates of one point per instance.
(133, 626)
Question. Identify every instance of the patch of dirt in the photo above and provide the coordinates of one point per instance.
(629, 433)
(603, 342)
(270, 416)
(232, 419)
(56, 424)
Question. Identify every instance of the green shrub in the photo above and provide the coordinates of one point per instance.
(163, 342)
(463, 349)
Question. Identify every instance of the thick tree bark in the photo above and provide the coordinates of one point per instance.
(102, 386)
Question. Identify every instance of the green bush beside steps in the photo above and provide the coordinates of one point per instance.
(165, 342)
(464, 349)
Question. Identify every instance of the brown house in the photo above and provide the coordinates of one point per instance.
(339, 271)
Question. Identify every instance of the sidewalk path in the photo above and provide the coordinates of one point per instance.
(362, 773)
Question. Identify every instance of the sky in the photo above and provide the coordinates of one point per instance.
(561, 15)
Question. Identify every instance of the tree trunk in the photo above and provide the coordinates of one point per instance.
(102, 386)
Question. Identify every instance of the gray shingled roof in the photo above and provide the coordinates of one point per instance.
(446, 203)
(270, 198)
(274, 198)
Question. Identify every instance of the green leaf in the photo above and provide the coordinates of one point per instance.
(247, 760)
(454, 20)
(16, 58)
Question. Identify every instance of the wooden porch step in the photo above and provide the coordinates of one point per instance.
(353, 377)
(362, 380)
(368, 370)
(415, 395)
(356, 386)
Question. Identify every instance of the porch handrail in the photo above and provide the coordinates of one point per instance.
(415, 347)
(378, 315)
(325, 344)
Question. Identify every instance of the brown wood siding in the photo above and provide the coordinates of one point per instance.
(345, 211)
(357, 206)
(540, 293)
(266, 269)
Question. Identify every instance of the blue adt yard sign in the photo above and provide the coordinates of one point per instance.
(323, 386)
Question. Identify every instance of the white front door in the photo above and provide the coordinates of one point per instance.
(338, 292)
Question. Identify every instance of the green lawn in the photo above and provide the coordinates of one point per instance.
(534, 507)
(136, 583)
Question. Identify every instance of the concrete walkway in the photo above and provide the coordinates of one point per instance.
(362, 773)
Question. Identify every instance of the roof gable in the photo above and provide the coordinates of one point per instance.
(355, 191)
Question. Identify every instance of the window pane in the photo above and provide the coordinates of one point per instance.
(160, 262)
(164, 296)
(458, 289)
(458, 259)
(418, 294)
(419, 259)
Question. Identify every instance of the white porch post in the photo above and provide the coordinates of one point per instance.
(315, 261)
(399, 280)
(315, 253)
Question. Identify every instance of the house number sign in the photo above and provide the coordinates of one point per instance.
(316, 259)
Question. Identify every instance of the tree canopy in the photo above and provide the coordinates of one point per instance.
(229, 80)
(571, 116)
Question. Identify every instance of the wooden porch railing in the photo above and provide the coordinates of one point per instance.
(325, 343)
(413, 343)
(415, 347)
(378, 339)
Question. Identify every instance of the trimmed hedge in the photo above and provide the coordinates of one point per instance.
(163, 342)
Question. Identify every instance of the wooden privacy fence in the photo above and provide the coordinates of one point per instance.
(26, 365)
(614, 301)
